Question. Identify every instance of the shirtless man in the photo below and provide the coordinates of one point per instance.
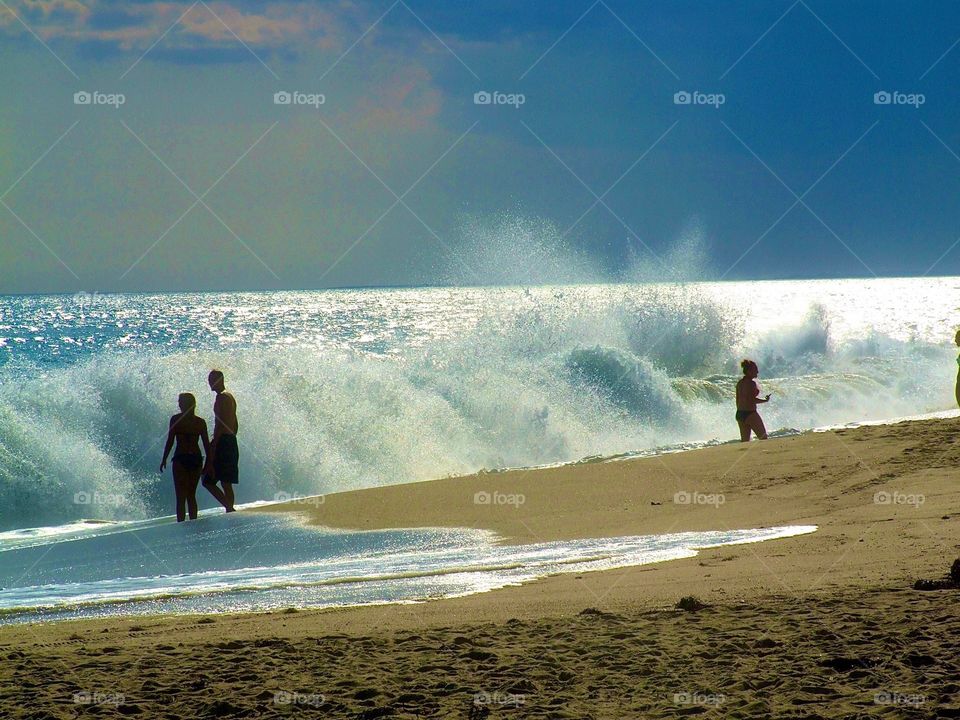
(222, 460)
(748, 397)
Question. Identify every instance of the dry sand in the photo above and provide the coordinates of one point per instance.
(821, 625)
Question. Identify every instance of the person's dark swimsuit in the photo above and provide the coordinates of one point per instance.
(188, 459)
(744, 414)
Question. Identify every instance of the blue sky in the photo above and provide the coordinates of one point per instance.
(400, 178)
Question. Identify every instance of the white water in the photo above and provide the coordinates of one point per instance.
(251, 562)
(348, 389)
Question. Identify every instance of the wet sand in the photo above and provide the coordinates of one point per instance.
(821, 625)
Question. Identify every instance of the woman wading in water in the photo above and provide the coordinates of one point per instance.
(187, 429)
(748, 397)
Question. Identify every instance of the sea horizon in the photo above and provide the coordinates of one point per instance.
(507, 285)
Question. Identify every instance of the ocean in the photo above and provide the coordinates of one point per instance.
(346, 389)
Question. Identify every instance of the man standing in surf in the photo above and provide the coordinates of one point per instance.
(224, 456)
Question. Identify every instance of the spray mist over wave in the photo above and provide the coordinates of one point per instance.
(513, 249)
(686, 259)
(516, 249)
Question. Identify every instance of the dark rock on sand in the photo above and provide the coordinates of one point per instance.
(934, 585)
(949, 583)
(690, 603)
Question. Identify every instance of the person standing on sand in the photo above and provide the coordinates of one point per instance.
(187, 429)
(748, 397)
(224, 455)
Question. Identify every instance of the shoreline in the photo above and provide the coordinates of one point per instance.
(884, 498)
(612, 503)
(632, 455)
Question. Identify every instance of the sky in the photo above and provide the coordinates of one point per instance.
(622, 140)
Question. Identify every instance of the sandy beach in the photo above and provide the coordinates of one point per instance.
(820, 625)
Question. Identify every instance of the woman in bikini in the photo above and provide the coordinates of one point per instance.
(748, 396)
(187, 429)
